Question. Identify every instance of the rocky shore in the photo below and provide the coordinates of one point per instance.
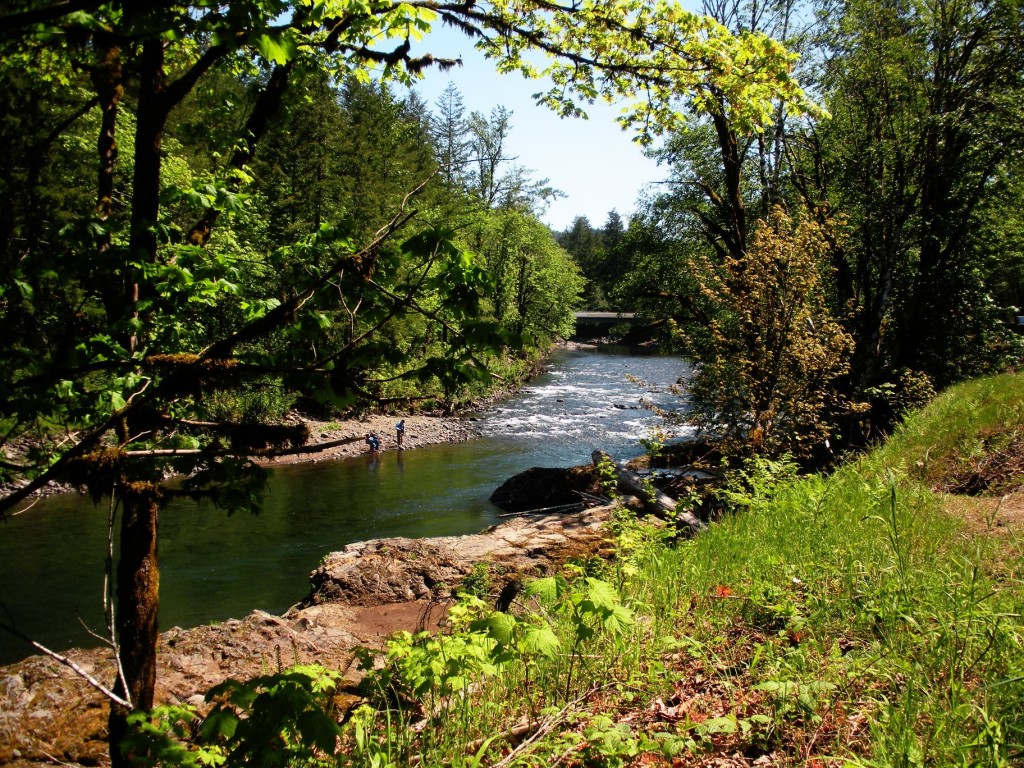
(361, 594)
(350, 435)
(346, 437)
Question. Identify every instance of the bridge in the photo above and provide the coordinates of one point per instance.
(597, 325)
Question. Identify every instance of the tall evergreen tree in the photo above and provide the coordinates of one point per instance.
(449, 128)
(300, 162)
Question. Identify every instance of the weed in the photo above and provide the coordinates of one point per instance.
(607, 477)
(609, 743)
(477, 582)
(654, 443)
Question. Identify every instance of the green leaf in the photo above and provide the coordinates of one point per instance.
(317, 728)
(602, 594)
(500, 627)
(718, 725)
(219, 723)
(546, 589)
(27, 294)
(542, 640)
(278, 49)
(618, 620)
(117, 401)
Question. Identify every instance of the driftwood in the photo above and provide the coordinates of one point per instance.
(587, 501)
(576, 506)
(661, 505)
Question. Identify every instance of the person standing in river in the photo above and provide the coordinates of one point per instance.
(400, 433)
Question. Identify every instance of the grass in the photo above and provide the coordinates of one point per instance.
(961, 427)
(824, 621)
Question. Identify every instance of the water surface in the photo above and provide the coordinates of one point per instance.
(214, 567)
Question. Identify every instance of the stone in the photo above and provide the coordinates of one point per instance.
(363, 593)
(543, 487)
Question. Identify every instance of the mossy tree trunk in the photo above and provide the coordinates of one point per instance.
(138, 601)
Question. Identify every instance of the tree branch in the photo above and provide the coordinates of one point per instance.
(278, 316)
(124, 702)
(12, 23)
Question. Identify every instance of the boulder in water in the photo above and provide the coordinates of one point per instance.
(543, 487)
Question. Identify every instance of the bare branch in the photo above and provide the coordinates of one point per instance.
(123, 702)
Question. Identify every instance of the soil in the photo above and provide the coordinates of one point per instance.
(50, 715)
(999, 521)
(996, 469)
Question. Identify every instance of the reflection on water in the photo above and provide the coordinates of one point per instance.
(214, 567)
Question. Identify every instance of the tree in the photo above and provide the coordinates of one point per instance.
(487, 147)
(583, 242)
(770, 367)
(449, 128)
(727, 175)
(129, 382)
(299, 164)
(385, 153)
(661, 285)
(914, 181)
(601, 256)
(537, 284)
(925, 98)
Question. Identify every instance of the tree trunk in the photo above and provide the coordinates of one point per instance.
(138, 601)
(267, 105)
(149, 130)
(107, 78)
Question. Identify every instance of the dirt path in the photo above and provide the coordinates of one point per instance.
(998, 519)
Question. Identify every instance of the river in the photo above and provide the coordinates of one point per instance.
(215, 566)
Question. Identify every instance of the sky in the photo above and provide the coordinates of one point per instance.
(594, 162)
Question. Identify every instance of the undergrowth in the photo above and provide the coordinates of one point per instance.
(824, 621)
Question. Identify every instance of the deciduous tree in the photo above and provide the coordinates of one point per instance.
(769, 369)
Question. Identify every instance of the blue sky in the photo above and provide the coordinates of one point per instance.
(594, 162)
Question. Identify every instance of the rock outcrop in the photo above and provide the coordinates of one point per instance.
(400, 570)
(360, 595)
(543, 487)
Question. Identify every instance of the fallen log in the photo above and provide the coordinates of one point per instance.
(654, 501)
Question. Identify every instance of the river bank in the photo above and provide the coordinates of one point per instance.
(420, 429)
(362, 593)
(440, 487)
(346, 436)
(349, 435)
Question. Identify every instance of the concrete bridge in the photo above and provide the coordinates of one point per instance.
(597, 325)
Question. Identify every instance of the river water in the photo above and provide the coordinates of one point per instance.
(215, 567)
